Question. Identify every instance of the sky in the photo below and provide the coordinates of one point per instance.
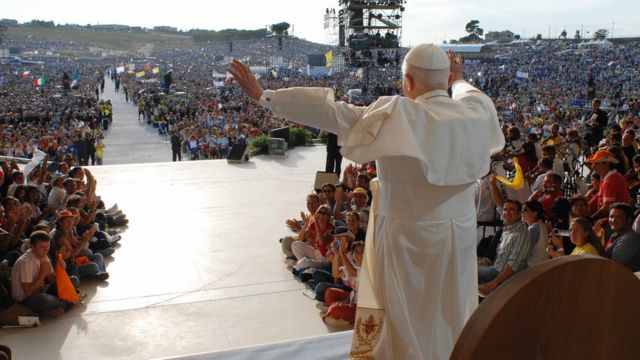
(423, 20)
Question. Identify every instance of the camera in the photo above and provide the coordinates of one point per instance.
(558, 232)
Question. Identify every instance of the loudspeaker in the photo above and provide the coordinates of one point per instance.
(239, 153)
(277, 147)
(280, 133)
(325, 177)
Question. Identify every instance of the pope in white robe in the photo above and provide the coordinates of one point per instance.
(418, 283)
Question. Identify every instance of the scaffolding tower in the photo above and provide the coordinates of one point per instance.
(369, 35)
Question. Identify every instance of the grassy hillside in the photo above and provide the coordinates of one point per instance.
(113, 40)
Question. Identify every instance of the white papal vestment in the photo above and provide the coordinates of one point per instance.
(429, 153)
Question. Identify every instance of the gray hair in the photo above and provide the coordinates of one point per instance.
(426, 77)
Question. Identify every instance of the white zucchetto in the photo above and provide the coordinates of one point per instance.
(427, 56)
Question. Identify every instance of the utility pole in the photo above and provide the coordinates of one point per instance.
(613, 26)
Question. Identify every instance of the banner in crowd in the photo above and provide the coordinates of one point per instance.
(39, 81)
(578, 103)
(120, 69)
(522, 75)
(140, 74)
(26, 74)
(156, 70)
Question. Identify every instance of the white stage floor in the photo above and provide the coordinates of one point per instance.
(199, 269)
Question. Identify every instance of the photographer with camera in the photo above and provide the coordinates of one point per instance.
(582, 235)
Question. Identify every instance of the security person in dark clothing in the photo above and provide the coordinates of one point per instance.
(597, 123)
(334, 158)
(175, 146)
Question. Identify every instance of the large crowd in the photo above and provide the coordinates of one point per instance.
(571, 123)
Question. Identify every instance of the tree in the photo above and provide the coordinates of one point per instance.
(563, 34)
(577, 36)
(600, 34)
(538, 37)
(516, 37)
(473, 28)
(475, 32)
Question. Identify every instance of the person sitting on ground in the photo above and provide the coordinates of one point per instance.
(582, 235)
(354, 225)
(86, 220)
(362, 181)
(33, 278)
(342, 303)
(533, 216)
(313, 202)
(329, 192)
(16, 222)
(513, 250)
(57, 194)
(330, 278)
(314, 240)
(358, 203)
(17, 179)
(70, 187)
(32, 200)
(63, 235)
(624, 244)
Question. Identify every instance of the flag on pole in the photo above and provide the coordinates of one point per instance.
(26, 74)
(76, 74)
(147, 67)
(140, 74)
(329, 57)
(156, 70)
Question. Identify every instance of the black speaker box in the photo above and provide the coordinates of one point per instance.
(239, 153)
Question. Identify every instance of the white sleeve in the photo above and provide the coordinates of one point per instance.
(314, 107)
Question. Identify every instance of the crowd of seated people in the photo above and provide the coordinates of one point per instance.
(586, 205)
(327, 247)
(53, 226)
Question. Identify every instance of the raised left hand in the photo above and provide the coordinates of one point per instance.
(246, 79)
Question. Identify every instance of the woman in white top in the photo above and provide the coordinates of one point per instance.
(533, 215)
